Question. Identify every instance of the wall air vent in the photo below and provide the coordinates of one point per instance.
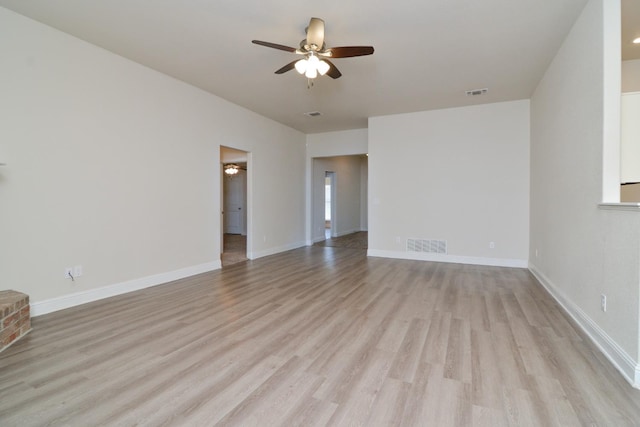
(476, 92)
(428, 246)
(313, 113)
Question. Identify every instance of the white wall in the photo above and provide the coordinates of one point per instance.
(329, 144)
(341, 143)
(578, 250)
(348, 203)
(460, 175)
(115, 167)
(631, 76)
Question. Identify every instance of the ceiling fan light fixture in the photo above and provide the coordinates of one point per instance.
(312, 66)
(313, 60)
(323, 67)
(311, 73)
(231, 169)
(301, 66)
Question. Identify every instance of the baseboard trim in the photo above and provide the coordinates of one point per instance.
(316, 240)
(619, 358)
(456, 259)
(323, 238)
(345, 232)
(39, 308)
(275, 250)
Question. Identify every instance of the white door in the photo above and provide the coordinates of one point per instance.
(234, 202)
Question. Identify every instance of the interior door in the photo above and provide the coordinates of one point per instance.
(234, 202)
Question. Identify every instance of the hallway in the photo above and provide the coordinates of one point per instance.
(235, 249)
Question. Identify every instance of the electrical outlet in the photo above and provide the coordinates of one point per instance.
(603, 302)
(77, 271)
(68, 273)
(492, 245)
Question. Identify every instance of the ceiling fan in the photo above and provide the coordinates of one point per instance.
(315, 53)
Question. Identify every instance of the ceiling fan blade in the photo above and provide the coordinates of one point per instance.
(290, 66)
(333, 72)
(315, 33)
(274, 46)
(347, 51)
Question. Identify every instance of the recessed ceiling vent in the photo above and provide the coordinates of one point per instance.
(476, 92)
(313, 113)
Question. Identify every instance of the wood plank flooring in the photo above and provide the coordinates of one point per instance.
(357, 240)
(313, 337)
(234, 249)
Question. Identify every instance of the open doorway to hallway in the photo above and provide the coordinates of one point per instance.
(329, 204)
(338, 196)
(234, 166)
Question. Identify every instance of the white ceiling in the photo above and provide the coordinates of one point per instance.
(427, 52)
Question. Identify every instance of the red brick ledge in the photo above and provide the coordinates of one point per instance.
(15, 317)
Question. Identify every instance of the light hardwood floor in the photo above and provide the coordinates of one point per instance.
(317, 336)
(234, 249)
(357, 240)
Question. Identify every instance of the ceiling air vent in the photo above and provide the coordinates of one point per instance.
(476, 92)
(313, 113)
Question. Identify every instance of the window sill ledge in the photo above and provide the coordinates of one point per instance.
(626, 206)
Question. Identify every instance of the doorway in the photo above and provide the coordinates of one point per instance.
(329, 204)
(234, 168)
(338, 196)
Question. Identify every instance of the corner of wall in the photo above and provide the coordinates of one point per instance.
(621, 360)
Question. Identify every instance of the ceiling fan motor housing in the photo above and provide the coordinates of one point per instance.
(311, 47)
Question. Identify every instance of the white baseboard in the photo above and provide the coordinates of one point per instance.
(419, 256)
(345, 232)
(275, 250)
(39, 308)
(323, 238)
(621, 360)
(316, 240)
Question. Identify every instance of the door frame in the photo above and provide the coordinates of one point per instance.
(248, 202)
(334, 202)
(231, 182)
